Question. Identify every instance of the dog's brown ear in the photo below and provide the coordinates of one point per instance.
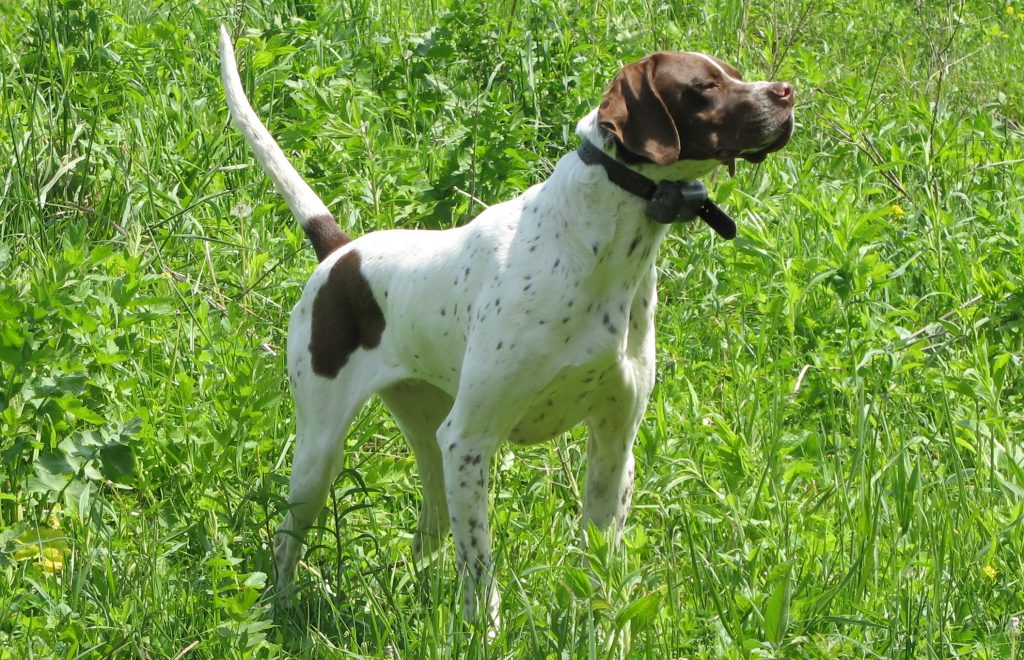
(633, 111)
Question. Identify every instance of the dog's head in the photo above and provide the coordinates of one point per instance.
(674, 107)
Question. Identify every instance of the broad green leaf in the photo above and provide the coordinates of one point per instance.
(117, 461)
(640, 612)
(776, 610)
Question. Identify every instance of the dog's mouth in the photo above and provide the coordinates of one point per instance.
(775, 141)
(779, 142)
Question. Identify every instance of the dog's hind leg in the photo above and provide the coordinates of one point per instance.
(324, 409)
(418, 409)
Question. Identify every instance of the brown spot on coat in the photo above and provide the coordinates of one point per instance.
(346, 316)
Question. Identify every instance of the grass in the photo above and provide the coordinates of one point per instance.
(831, 464)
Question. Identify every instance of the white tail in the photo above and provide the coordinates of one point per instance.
(307, 207)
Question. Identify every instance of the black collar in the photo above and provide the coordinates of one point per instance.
(668, 201)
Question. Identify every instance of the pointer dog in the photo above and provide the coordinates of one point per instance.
(535, 316)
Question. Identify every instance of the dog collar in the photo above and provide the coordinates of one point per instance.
(667, 201)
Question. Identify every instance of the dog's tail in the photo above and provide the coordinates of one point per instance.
(318, 223)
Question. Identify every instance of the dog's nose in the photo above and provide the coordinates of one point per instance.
(781, 92)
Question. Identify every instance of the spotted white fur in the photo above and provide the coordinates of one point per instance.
(535, 316)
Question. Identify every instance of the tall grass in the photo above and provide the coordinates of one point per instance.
(831, 464)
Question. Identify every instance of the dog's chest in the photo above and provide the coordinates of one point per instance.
(575, 395)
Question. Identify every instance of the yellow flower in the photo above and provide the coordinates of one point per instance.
(989, 571)
(897, 211)
(46, 547)
(52, 560)
(1009, 10)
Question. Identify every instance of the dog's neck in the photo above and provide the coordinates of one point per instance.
(589, 128)
(598, 226)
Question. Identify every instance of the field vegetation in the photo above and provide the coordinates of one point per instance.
(831, 465)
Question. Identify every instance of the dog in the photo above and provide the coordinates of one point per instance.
(533, 317)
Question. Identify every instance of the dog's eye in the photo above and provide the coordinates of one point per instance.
(705, 86)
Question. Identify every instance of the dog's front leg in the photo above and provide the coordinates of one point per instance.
(626, 391)
(466, 459)
(610, 472)
(609, 484)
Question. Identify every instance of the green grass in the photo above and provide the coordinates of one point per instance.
(831, 463)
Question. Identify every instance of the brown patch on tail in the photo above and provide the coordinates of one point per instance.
(325, 235)
(346, 316)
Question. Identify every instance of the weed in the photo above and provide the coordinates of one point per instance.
(831, 464)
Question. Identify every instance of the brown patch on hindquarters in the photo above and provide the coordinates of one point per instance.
(346, 316)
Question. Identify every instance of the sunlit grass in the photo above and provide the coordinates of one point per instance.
(831, 463)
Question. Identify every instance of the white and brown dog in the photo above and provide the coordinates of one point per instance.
(535, 316)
